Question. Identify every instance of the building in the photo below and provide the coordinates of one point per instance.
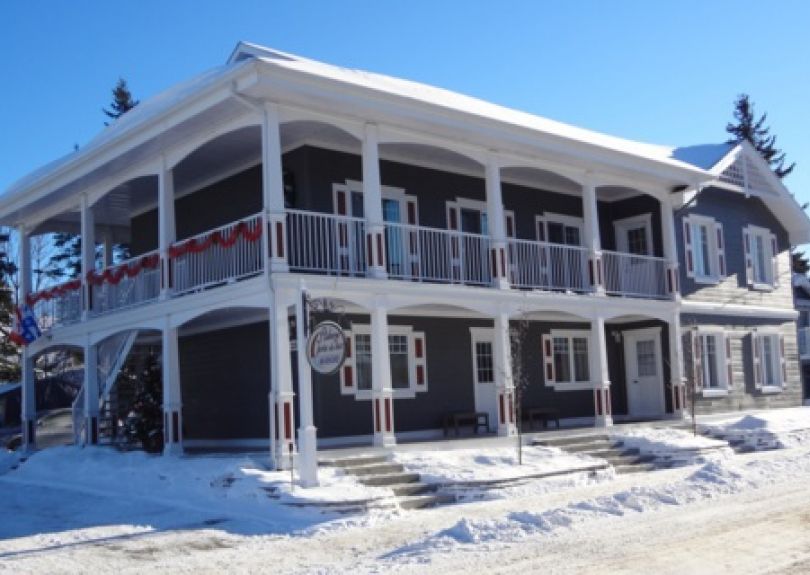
(432, 226)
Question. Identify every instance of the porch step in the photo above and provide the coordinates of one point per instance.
(591, 447)
(564, 442)
(356, 461)
(635, 468)
(602, 446)
(415, 488)
(374, 469)
(426, 501)
(389, 479)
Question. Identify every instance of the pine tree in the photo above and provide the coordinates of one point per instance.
(9, 354)
(66, 261)
(122, 101)
(145, 421)
(747, 127)
(800, 263)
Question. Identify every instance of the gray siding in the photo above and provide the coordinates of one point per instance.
(735, 211)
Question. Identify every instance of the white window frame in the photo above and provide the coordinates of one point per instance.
(570, 334)
(694, 220)
(620, 228)
(462, 203)
(720, 358)
(776, 338)
(401, 392)
(563, 219)
(766, 235)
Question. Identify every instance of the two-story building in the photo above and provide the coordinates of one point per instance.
(431, 225)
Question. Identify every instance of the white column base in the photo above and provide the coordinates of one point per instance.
(377, 272)
(603, 411)
(383, 420)
(507, 426)
(603, 421)
(308, 456)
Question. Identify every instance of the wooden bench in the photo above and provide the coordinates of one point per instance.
(475, 419)
(541, 415)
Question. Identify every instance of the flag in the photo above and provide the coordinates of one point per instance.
(25, 329)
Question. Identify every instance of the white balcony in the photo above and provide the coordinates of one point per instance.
(130, 283)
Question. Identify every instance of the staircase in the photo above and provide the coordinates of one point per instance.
(380, 471)
(602, 446)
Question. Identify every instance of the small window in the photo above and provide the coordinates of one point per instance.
(400, 370)
(570, 357)
(704, 249)
(761, 257)
(711, 361)
(771, 361)
(484, 365)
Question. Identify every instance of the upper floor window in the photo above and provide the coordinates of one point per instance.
(761, 257)
(705, 249)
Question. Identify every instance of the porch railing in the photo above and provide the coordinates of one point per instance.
(225, 254)
(129, 283)
(58, 305)
(804, 342)
(436, 255)
(548, 266)
(326, 243)
(634, 275)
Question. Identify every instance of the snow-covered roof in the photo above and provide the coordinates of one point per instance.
(703, 156)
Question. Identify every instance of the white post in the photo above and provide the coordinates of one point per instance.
(172, 403)
(499, 263)
(593, 241)
(670, 248)
(677, 382)
(372, 204)
(166, 227)
(504, 380)
(382, 392)
(88, 253)
(91, 393)
(600, 376)
(273, 190)
(29, 402)
(281, 394)
(307, 434)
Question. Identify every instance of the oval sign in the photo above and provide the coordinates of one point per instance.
(326, 348)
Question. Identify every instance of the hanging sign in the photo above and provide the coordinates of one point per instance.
(326, 348)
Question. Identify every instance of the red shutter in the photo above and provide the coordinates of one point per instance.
(548, 357)
(420, 360)
(687, 240)
(347, 371)
(749, 262)
(721, 251)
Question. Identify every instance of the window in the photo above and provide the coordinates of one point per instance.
(704, 249)
(770, 368)
(711, 360)
(565, 354)
(484, 366)
(761, 257)
(407, 356)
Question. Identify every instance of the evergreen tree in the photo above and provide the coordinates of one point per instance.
(145, 421)
(122, 101)
(9, 354)
(800, 263)
(747, 127)
(66, 261)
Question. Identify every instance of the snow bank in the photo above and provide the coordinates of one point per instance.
(8, 459)
(773, 429)
(674, 446)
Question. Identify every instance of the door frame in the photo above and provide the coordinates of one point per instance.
(484, 334)
(630, 355)
(620, 228)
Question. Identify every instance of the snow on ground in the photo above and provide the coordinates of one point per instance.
(673, 445)
(8, 459)
(777, 428)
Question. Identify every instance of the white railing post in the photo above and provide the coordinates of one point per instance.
(275, 242)
(88, 264)
(172, 402)
(593, 242)
(382, 393)
(166, 228)
(498, 261)
(372, 204)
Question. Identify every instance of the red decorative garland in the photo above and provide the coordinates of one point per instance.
(56, 291)
(114, 275)
(196, 246)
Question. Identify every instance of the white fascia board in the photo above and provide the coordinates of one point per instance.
(369, 104)
(736, 310)
(86, 160)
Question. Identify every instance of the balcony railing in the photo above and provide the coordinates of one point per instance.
(436, 255)
(326, 244)
(58, 305)
(634, 275)
(225, 254)
(548, 266)
(804, 342)
(133, 282)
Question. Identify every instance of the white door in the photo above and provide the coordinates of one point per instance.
(637, 275)
(483, 364)
(643, 367)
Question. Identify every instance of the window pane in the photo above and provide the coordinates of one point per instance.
(703, 250)
(562, 359)
(483, 362)
(769, 361)
(571, 236)
(398, 352)
(645, 357)
(760, 274)
(581, 359)
(362, 344)
(710, 374)
(637, 241)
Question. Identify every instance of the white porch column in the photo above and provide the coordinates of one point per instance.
(273, 190)
(307, 433)
(88, 231)
(29, 401)
(166, 228)
(504, 382)
(282, 415)
(91, 393)
(677, 381)
(499, 264)
(382, 392)
(670, 248)
(172, 403)
(600, 376)
(372, 205)
(593, 241)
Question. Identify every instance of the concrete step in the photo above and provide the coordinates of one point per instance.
(563, 441)
(374, 469)
(424, 501)
(389, 479)
(631, 459)
(354, 461)
(634, 468)
(606, 452)
(587, 446)
(417, 488)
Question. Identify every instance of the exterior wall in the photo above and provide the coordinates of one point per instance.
(635, 206)
(735, 211)
(743, 395)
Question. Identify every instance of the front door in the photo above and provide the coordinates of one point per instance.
(638, 275)
(643, 369)
(486, 394)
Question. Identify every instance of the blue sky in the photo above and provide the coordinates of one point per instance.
(664, 72)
